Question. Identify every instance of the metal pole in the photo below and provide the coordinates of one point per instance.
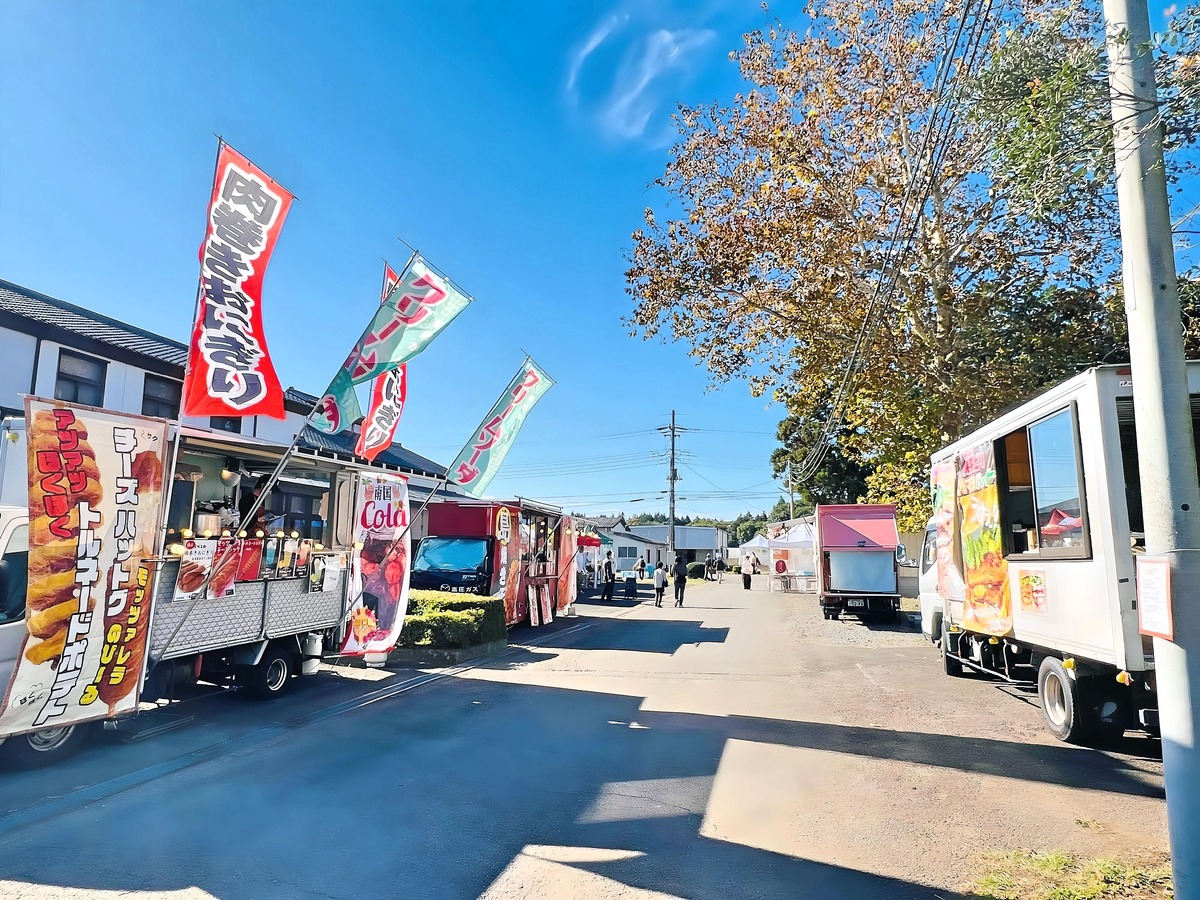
(1171, 495)
(791, 494)
(671, 504)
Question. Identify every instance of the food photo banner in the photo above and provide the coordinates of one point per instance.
(382, 563)
(95, 505)
(229, 370)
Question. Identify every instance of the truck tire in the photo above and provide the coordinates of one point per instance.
(272, 676)
(41, 748)
(950, 666)
(1059, 694)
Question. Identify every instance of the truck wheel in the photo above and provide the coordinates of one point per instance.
(41, 748)
(950, 666)
(1059, 693)
(272, 676)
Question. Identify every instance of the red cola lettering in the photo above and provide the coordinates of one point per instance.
(380, 518)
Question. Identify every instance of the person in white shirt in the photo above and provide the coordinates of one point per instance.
(660, 584)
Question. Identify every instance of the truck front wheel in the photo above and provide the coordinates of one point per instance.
(271, 676)
(41, 748)
(1061, 706)
(950, 666)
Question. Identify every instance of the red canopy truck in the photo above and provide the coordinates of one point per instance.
(517, 549)
(857, 565)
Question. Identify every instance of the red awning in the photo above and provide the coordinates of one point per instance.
(588, 540)
(847, 529)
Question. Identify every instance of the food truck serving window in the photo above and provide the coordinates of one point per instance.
(1043, 507)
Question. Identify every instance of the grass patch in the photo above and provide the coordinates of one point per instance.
(1054, 875)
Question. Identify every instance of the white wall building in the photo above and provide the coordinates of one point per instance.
(51, 348)
(692, 542)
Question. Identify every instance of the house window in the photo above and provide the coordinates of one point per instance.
(627, 553)
(232, 424)
(160, 397)
(1044, 509)
(80, 379)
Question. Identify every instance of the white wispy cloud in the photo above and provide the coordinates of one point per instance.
(634, 97)
(598, 36)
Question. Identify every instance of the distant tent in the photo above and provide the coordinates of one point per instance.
(758, 542)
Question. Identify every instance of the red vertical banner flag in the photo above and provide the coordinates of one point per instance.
(229, 369)
(387, 395)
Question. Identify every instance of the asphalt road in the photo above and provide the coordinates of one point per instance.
(738, 747)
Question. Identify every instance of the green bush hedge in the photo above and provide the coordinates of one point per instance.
(695, 570)
(441, 619)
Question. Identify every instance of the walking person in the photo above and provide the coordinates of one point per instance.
(747, 569)
(680, 579)
(754, 556)
(720, 570)
(641, 567)
(660, 584)
(609, 574)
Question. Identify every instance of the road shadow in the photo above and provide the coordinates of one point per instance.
(436, 795)
(648, 635)
(1074, 767)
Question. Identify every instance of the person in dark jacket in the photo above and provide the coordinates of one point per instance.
(609, 574)
(680, 572)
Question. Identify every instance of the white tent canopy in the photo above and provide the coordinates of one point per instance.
(758, 542)
(799, 537)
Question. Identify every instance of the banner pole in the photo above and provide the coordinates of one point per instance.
(187, 365)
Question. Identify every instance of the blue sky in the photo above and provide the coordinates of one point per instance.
(513, 144)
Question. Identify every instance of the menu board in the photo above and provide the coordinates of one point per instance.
(302, 557)
(225, 568)
(194, 563)
(250, 560)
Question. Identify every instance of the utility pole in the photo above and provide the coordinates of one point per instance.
(672, 477)
(1167, 458)
(791, 493)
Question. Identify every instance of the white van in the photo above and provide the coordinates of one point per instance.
(1027, 570)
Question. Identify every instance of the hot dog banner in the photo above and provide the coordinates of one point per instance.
(381, 565)
(95, 504)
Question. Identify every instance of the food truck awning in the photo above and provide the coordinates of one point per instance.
(848, 528)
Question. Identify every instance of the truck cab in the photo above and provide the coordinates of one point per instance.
(455, 564)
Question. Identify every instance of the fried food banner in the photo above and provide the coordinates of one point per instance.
(986, 603)
(567, 581)
(95, 504)
(230, 372)
(381, 564)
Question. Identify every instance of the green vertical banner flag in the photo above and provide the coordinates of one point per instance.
(338, 409)
(417, 307)
(420, 305)
(475, 467)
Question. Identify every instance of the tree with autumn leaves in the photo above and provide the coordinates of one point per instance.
(782, 203)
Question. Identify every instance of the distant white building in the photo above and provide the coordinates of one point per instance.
(626, 545)
(692, 542)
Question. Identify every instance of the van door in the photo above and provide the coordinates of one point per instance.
(927, 583)
(14, 570)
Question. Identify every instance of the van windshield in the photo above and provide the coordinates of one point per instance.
(437, 554)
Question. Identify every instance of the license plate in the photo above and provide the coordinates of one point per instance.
(856, 604)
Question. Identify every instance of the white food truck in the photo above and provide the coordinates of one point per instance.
(1028, 565)
(272, 624)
